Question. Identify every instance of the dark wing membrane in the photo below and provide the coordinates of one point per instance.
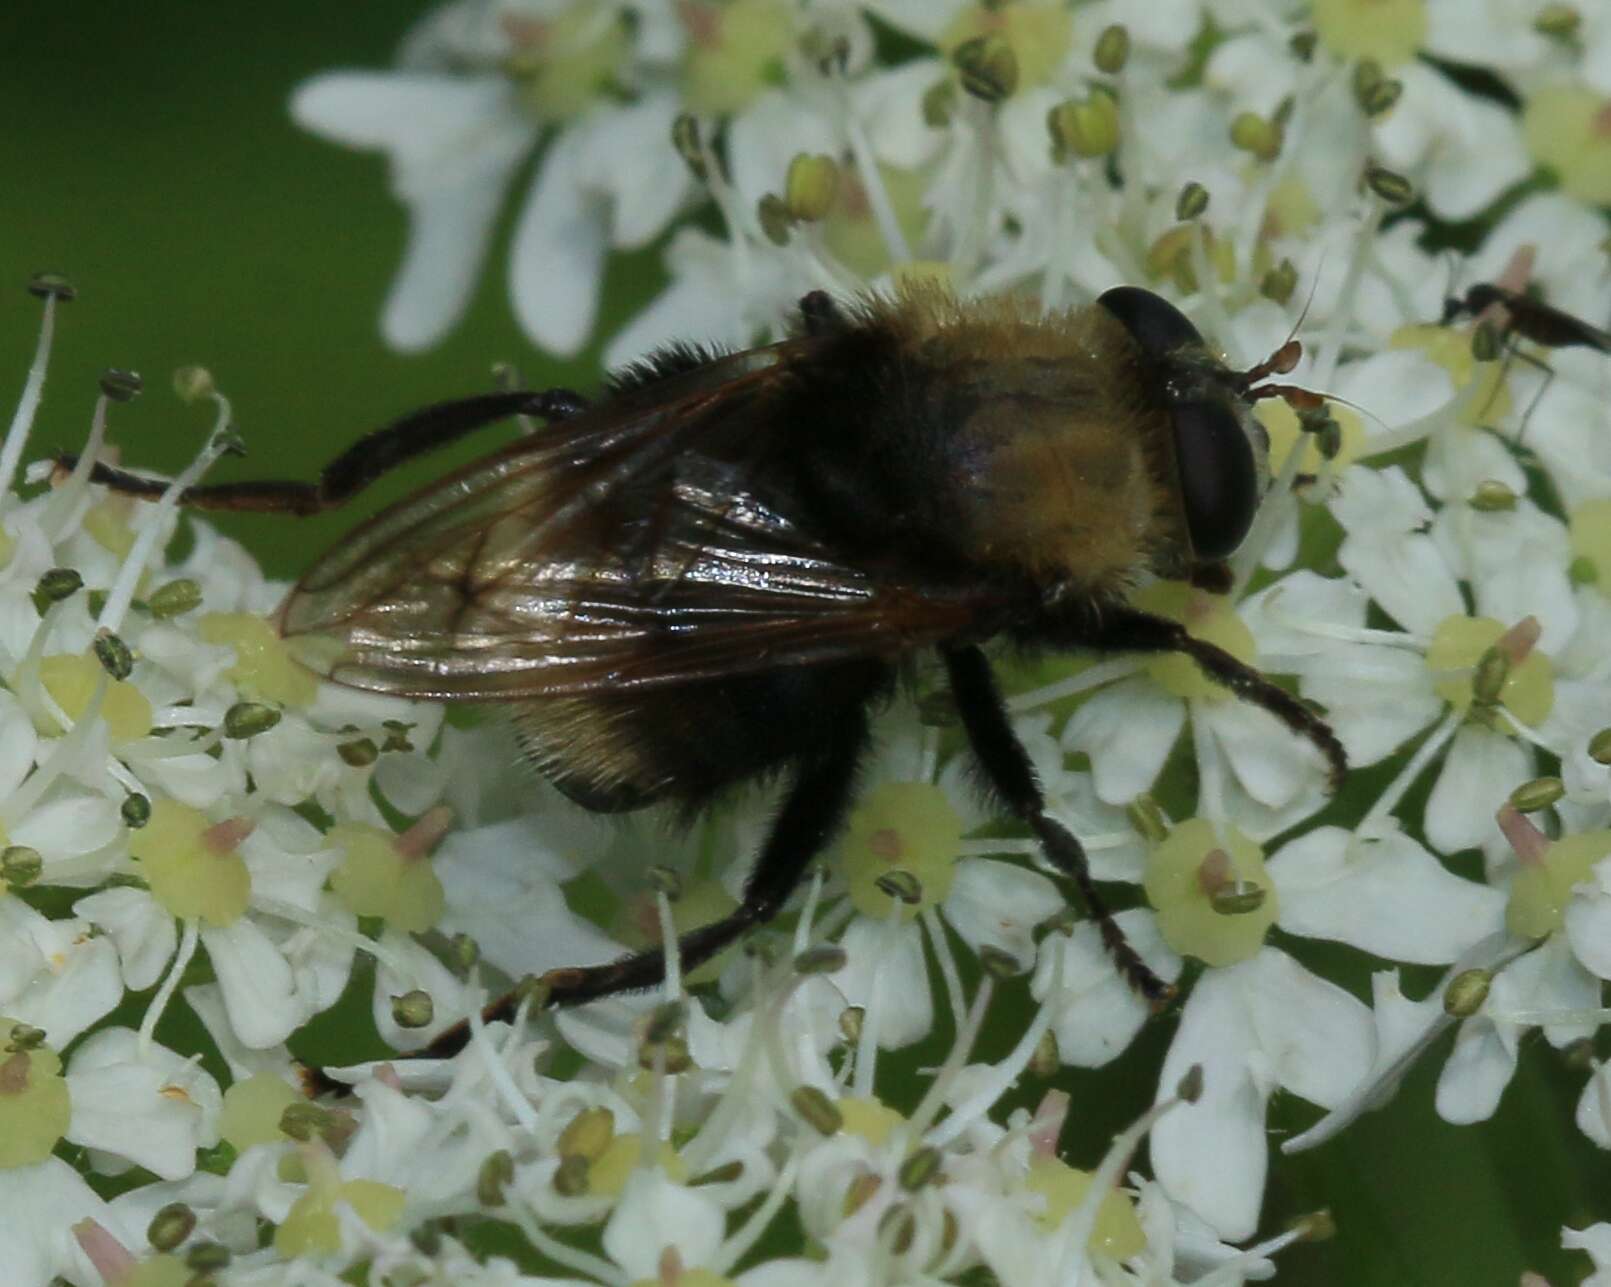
(618, 550)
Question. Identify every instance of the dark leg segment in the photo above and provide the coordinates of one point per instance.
(359, 465)
(1006, 765)
(812, 813)
(1126, 630)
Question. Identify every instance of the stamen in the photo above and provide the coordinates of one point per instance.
(152, 535)
(967, 1033)
(1001, 1077)
(562, 1253)
(1081, 1224)
(1328, 351)
(1489, 953)
(935, 929)
(65, 754)
(25, 681)
(670, 945)
(1104, 672)
(861, 152)
(802, 929)
(498, 1072)
(1341, 633)
(867, 1045)
(1388, 800)
(22, 420)
(170, 984)
(1217, 320)
(59, 509)
(747, 1234)
(1234, 1272)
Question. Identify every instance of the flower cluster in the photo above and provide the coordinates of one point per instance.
(193, 826)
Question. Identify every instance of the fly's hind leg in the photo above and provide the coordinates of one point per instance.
(373, 455)
(811, 814)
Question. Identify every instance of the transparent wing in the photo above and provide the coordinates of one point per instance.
(614, 551)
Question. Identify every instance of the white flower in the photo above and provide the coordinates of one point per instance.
(1264, 776)
(479, 81)
(1259, 1026)
(43, 1202)
(140, 1102)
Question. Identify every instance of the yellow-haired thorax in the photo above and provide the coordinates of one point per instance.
(1062, 447)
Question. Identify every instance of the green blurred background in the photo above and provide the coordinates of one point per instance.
(146, 152)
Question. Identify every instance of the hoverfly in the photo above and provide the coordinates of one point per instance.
(715, 571)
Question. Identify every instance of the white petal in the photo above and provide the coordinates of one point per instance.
(454, 142)
(80, 983)
(410, 781)
(1376, 698)
(763, 138)
(1404, 1031)
(1317, 1038)
(1401, 385)
(24, 941)
(558, 253)
(1548, 979)
(647, 181)
(1212, 1156)
(502, 884)
(1480, 155)
(1593, 1114)
(321, 955)
(691, 306)
(1476, 1073)
(258, 989)
(448, 232)
(889, 103)
(888, 975)
(1270, 762)
(1480, 769)
(1588, 929)
(207, 1000)
(1283, 616)
(17, 743)
(69, 826)
(139, 926)
(1383, 500)
(1596, 1240)
(1098, 1013)
(42, 1203)
(1406, 574)
(1127, 729)
(1386, 895)
(999, 904)
(653, 1214)
(288, 868)
(405, 966)
(146, 1105)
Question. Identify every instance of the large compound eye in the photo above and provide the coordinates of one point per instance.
(1157, 325)
(1219, 478)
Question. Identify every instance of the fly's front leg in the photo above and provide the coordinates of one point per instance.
(372, 456)
(1128, 630)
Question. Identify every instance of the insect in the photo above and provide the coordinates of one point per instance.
(1527, 316)
(713, 573)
